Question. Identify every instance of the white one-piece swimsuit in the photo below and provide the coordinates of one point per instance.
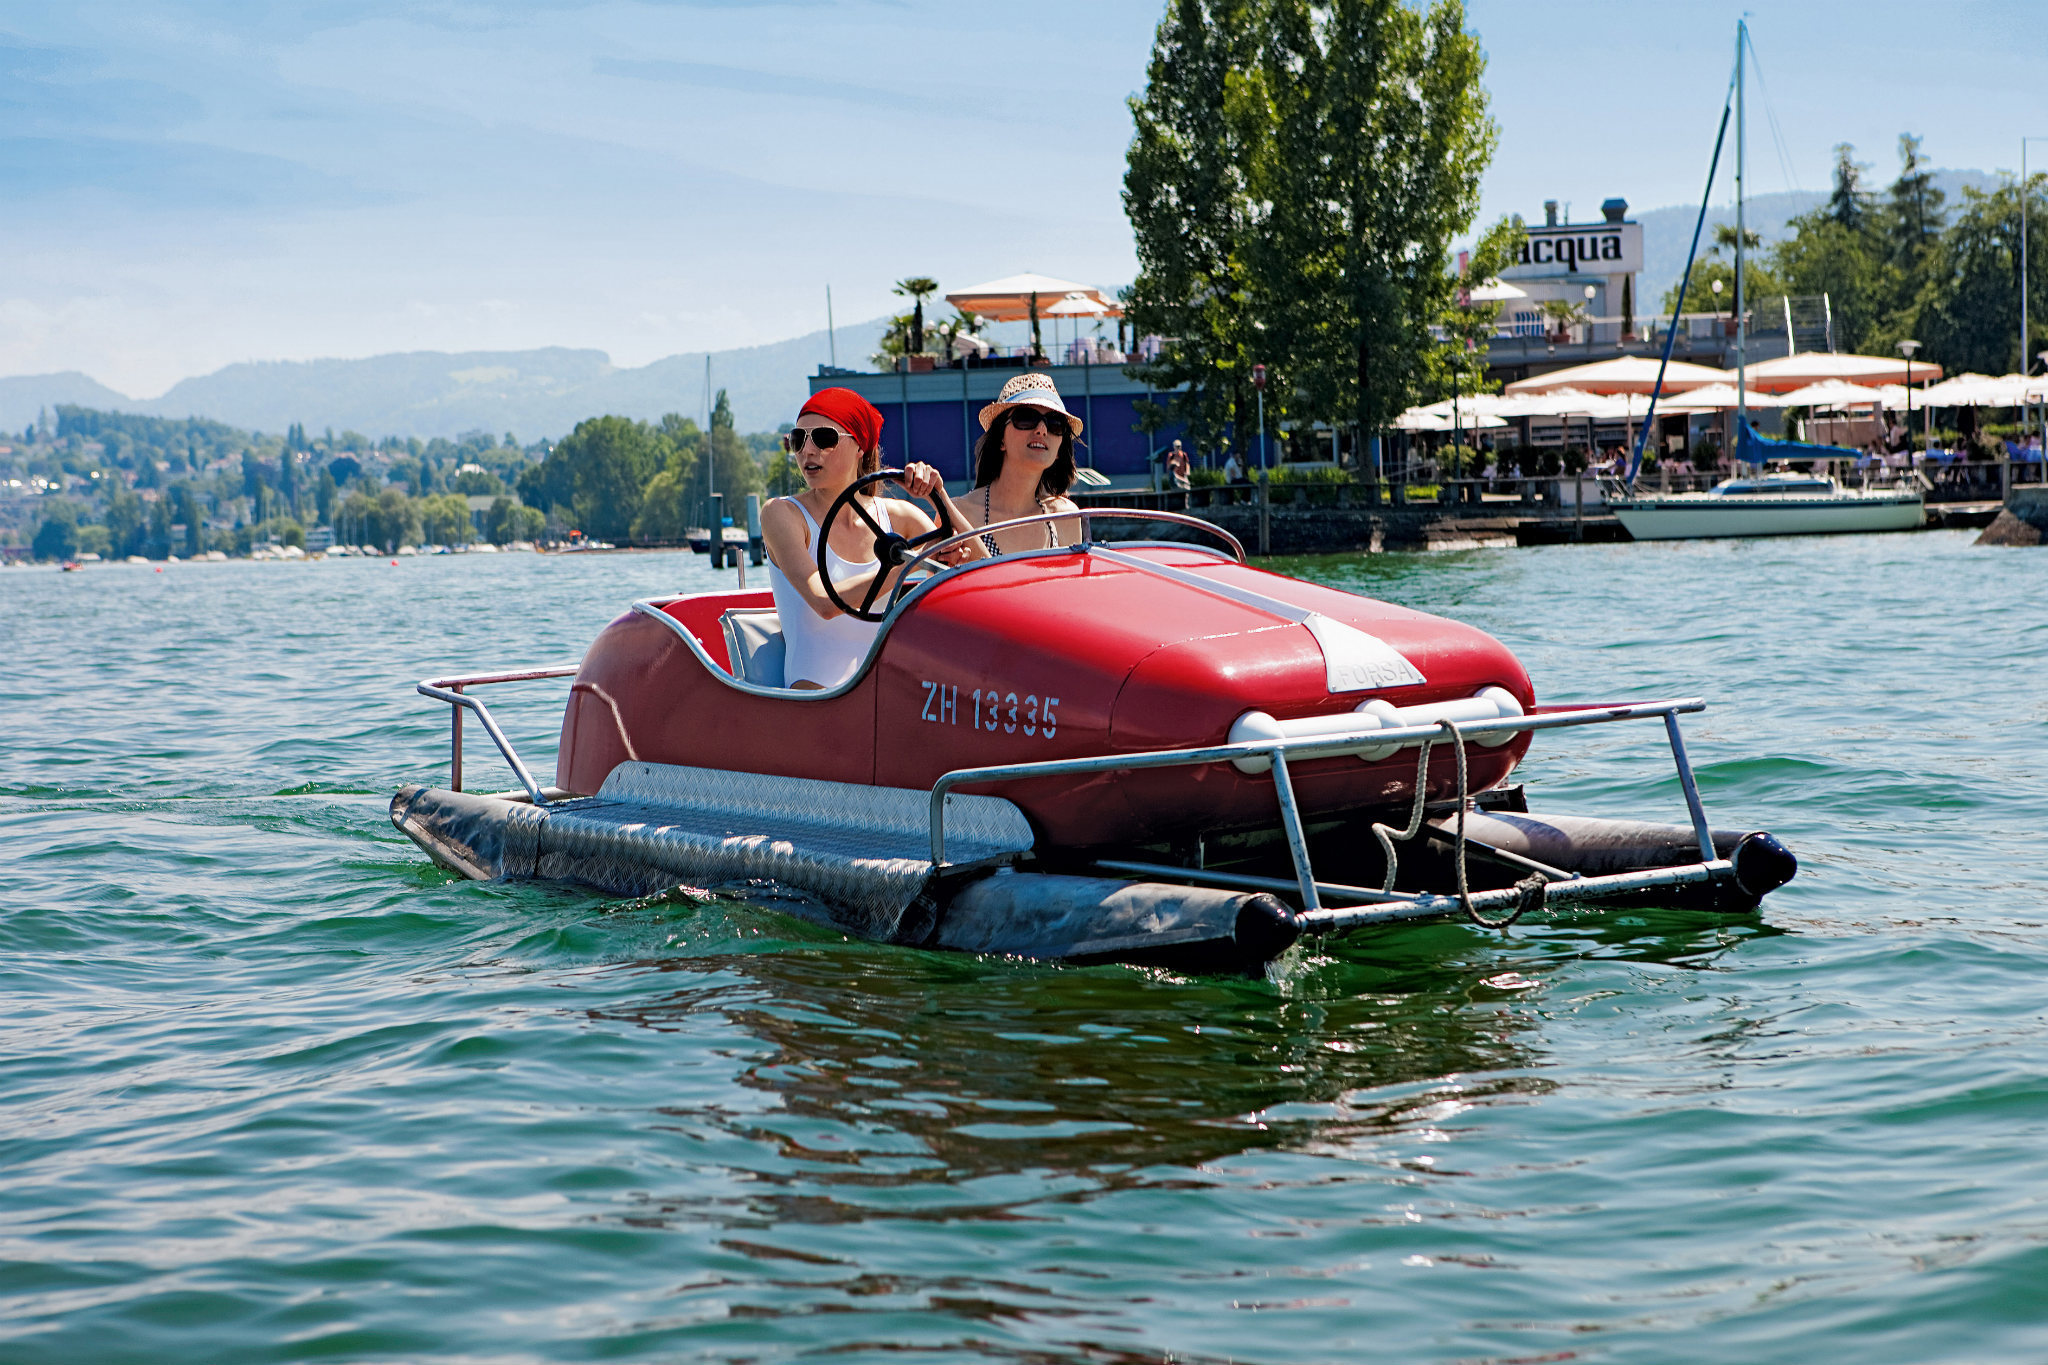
(823, 650)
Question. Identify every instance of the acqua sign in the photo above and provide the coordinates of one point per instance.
(1592, 248)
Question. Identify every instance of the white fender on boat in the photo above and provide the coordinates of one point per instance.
(1490, 703)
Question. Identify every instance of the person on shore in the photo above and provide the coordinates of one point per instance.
(1177, 467)
(837, 439)
(1177, 476)
(1023, 467)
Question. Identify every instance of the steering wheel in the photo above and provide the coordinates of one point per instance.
(891, 549)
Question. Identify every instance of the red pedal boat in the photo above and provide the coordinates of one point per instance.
(1140, 750)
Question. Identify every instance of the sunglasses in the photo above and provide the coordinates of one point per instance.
(1030, 419)
(824, 438)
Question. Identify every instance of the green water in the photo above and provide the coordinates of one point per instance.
(274, 1088)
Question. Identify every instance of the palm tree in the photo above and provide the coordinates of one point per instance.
(919, 288)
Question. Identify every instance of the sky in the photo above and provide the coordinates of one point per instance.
(189, 183)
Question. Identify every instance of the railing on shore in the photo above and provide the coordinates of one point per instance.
(1419, 484)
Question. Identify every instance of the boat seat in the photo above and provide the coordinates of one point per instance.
(753, 641)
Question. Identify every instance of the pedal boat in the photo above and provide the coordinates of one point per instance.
(1145, 751)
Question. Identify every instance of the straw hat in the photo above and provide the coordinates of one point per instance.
(1033, 388)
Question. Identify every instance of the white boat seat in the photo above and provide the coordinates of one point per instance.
(753, 641)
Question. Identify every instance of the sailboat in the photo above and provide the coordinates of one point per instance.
(1760, 503)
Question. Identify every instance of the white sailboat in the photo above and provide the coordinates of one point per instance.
(1762, 504)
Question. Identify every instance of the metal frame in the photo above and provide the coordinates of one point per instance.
(1379, 905)
(450, 691)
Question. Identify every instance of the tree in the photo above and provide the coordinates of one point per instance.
(1191, 211)
(1849, 205)
(124, 519)
(157, 540)
(917, 288)
(1457, 364)
(1915, 214)
(733, 463)
(1824, 254)
(444, 519)
(598, 472)
(324, 493)
(185, 508)
(392, 520)
(1970, 319)
(508, 521)
(57, 537)
(1379, 137)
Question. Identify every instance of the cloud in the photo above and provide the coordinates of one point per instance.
(743, 81)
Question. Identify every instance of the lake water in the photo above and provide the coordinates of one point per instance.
(273, 1088)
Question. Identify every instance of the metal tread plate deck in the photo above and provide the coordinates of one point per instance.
(865, 850)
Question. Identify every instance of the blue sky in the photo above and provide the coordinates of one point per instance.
(185, 184)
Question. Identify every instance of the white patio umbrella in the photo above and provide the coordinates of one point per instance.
(1787, 372)
(1421, 419)
(1009, 299)
(1975, 391)
(1623, 374)
(1833, 393)
(1713, 398)
(1075, 305)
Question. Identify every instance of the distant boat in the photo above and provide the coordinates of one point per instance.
(1776, 504)
(699, 538)
(1780, 503)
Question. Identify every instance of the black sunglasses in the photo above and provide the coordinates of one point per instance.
(1030, 419)
(824, 438)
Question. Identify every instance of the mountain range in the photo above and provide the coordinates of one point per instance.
(544, 393)
(541, 393)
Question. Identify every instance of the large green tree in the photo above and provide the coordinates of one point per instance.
(1380, 138)
(1970, 319)
(1299, 172)
(596, 473)
(1186, 192)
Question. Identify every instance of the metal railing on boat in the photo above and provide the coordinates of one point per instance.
(1372, 904)
(451, 691)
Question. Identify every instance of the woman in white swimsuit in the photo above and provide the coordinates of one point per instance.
(1023, 466)
(837, 439)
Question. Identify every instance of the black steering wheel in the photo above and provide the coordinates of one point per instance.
(891, 549)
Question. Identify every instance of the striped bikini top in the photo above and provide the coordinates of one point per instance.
(988, 542)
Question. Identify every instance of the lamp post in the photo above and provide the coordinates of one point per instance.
(2025, 340)
(1906, 349)
(1259, 383)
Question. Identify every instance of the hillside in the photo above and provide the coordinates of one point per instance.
(533, 394)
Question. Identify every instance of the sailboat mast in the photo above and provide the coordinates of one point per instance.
(1741, 309)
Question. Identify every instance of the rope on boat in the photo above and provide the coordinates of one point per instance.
(1531, 891)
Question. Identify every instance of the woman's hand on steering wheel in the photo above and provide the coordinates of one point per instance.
(891, 550)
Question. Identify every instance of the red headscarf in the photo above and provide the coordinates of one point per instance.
(852, 413)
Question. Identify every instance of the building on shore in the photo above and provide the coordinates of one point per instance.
(930, 412)
(1589, 276)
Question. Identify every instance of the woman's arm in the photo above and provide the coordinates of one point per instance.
(785, 536)
(1070, 531)
(923, 481)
